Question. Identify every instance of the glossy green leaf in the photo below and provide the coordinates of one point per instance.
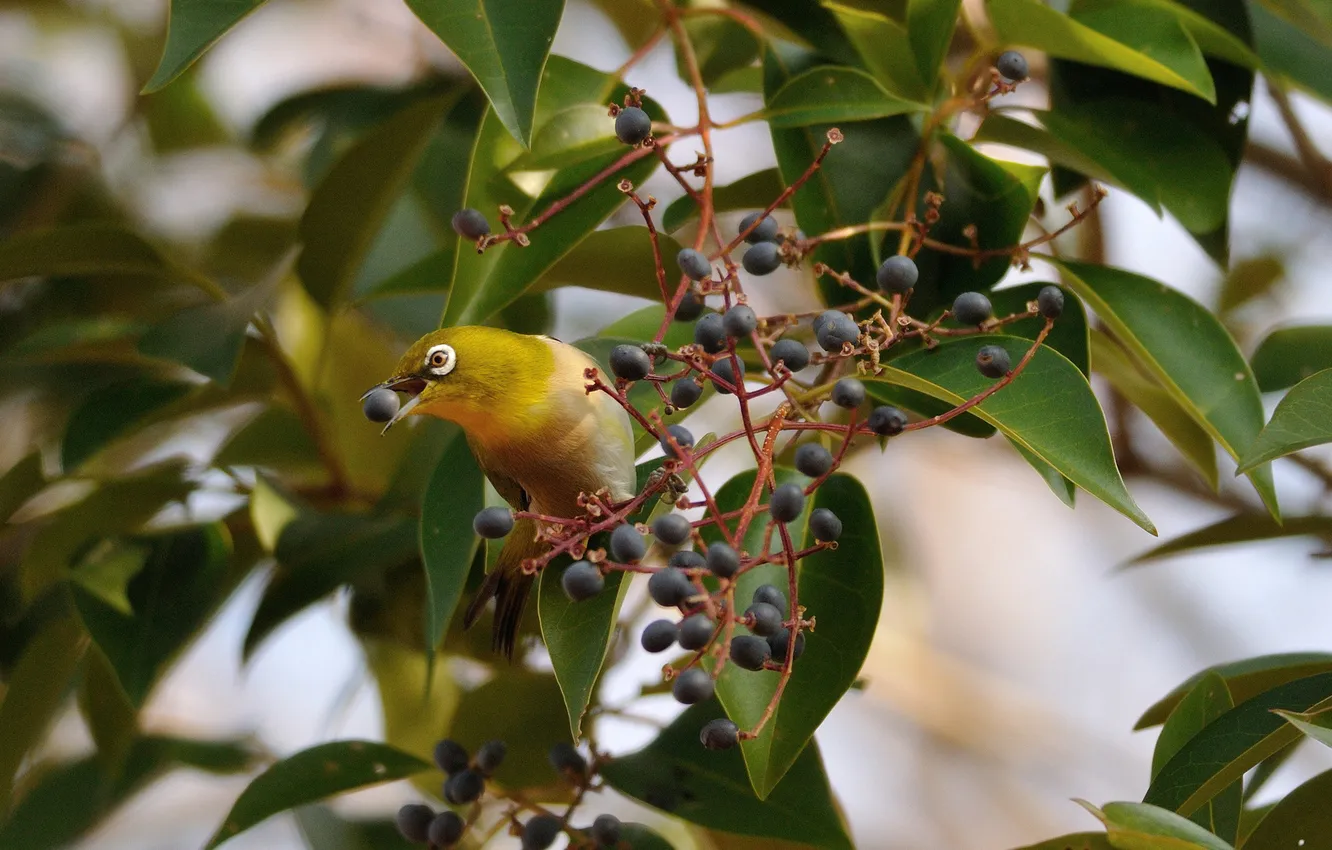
(1247, 280)
(79, 250)
(1205, 701)
(848, 581)
(522, 708)
(676, 774)
(347, 209)
(721, 45)
(111, 717)
(1302, 419)
(1075, 841)
(482, 284)
(618, 259)
(640, 837)
(69, 799)
(829, 95)
(208, 338)
(1233, 743)
(1195, 444)
(111, 412)
(885, 47)
(192, 27)
(1174, 59)
(1141, 826)
(453, 497)
(314, 774)
(20, 483)
(504, 45)
(1312, 16)
(318, 552)
(324, 830)
(34, 690)
(1244, 679)
(1302, 815)
(1186, 349)
(930, 26)
(183, 580)
(1059, 485)
(753, 191)
(1241, 528)
(1290, 355)
(1216, 30)
(275, 439)
(1069, 336)
(1288, 51)
(1316, 725)
(1049, 410)
(636, 20)
(581, 132)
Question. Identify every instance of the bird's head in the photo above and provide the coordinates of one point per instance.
(472, 375)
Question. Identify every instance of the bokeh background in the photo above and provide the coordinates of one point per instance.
(1014, 652)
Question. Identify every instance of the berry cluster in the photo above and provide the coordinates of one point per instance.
(466, 785)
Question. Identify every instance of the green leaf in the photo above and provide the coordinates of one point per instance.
(69, 799)
(1049, 410)
(885, 47)
(35, 689)
(1205, 701)
(1241, 528)
(79, 250)
(830, 95)
(676, 774)
(1302, 812)
(1074, 841)
(208, 338)
(1288, 51)
(1195, 444)
(324, 830)
(521, 708)
(1186, 349)
(753, 191)
(315, 774)
(193, 26)
(571, 136)
(346, 211)
(1316, 725)
(1302, 419)
(1244, 679)
(20, 483)
(1290, 355)
(842, 588)
(318, 552)
(640, 837)
(1174, 59)
(1233, 743)
(107, 710)
(618, 259)
(721, 45)
(1311, 16)
(503, 45)
(1141, 826)
(1059, 485)
(112, 411)
(1220, 30)
(1069, 336)
(1247, 280)
(455, 495)
(184, 579)
(483, 284)
(636, 20)
(930, 26)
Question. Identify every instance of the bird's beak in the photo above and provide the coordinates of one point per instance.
(411, 385)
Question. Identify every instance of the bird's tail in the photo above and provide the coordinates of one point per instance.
(509, 586)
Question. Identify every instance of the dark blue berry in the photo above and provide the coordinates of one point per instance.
(493, 522)
(1012, 66)
(606, 830)
(465, 786)
(825, 524)
(632, 125)
(683, 438)
(684, 393)
(380, 405)
(566, 759)
(669, 587)
(763, 258)
(694, 264)
(690, 307)
(726, 371)
(766, 619)
(581, 581)
(659, 635)
(739, 321)
(833, 329)
(771, 595)
(897, 274)
(709, 333)
(722, 560)
(887, 421)
(630, 362)
(445, 830)
(627, 544)
(813, 460)
(848, 393)
(971, 308)
(719, 734)
(1050, 301)
(695, 631)
(450, 756)
(992, 361)
(470, 223)
(792, 352)
(672, 529)
(540, 831)
(414, 822)
(781, 641)
(687, 559)
(750, 652)
(765, 232)
(787, 501)
(692, 686)
(489, 756)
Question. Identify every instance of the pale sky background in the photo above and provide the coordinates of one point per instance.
(1007, 672)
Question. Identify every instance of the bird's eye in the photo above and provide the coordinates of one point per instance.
(440, 359)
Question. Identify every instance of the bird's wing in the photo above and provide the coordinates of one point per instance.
(508, 488)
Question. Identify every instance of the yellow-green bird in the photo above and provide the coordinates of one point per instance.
(536, 432)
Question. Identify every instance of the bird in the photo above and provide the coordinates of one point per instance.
(537, 433)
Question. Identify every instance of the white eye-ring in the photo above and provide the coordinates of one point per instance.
(440, 360)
